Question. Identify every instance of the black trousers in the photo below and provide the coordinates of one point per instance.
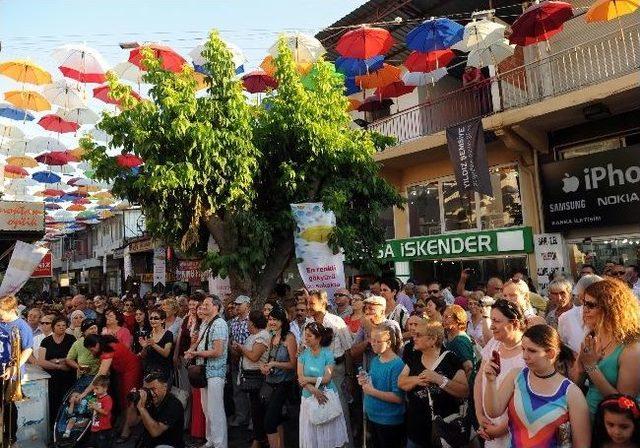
(9, 419)
(386, 436)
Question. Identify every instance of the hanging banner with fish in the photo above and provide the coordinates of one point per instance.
(319, 267)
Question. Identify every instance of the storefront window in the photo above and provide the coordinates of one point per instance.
(505, 208)
(459, 211)
(448, 272)
(622, 249)
(424, 210)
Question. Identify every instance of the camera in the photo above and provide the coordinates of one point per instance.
(134, 395)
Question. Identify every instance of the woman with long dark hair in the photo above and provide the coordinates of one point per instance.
(141, 328)
(157, 348)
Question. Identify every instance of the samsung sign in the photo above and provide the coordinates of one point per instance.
(594, 190)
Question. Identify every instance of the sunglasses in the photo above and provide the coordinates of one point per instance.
(45, 322)
(154, 318)
(433, 291)
(590, 305)
(128, 304)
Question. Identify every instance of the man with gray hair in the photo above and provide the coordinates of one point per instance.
(570, 324)
(560, 300)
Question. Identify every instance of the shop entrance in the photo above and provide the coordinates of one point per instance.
(448, 271)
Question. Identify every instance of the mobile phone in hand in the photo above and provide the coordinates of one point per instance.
(495, 358)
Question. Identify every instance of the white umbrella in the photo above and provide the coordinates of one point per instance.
(237, 55)
(42, 144)
(64, 94)
(480, 34)
(128, 71)
(98, 135)
(87, 183)
(80, 58)
(305, 48)
(15, 147)
(67, 170)
(10, 131)
(80, 115)
(490, 55)
(423, 78)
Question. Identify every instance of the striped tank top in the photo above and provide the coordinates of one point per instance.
(536, 420)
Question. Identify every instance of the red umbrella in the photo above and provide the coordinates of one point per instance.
(129, 160)
(91, 78)
(79, 193)
(103, 94)
(258, 82)
(428, 62)
(394, 90)
(374, 103)
(52, 192)
(55, 158)
(539, 22)
(169, 59)
(14, 172)
(73, 181)
(364, 43)
(56, 123)
(82, 201)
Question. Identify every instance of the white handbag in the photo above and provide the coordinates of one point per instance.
(319, 414)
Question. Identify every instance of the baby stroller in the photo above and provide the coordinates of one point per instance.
(71, 427)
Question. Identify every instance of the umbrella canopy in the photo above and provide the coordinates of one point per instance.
(22, 161)
(82, 201)
(80, 62)
(14, 172)
(55, 158)
(304, 48)
(76, 208)
(87, 214)
(169, 59)
(479, 34)
(422, 78)
(269, 66)
(27, 99)
(310, 81)
(77, 154)
(55, 123)
(539, 22)
(64, 94)
(13, 113)
(383, 77)
(51, 206)
(80, 115)
(358, 67)
(52, 192)
(40, 144)
(102, 195)
(394, 90)
(10, 131)
(238, 57)
(25, 72)
(353, 105)
(258, 82)
(46, 177)
(350, 86)
(103, 93)
(128, 160)
(66, 170)
(364, 42)
(428, 62)
(434, 34)
(491, 55)
(128, 71)
(15, 148)
(374, 103)
(605, 10)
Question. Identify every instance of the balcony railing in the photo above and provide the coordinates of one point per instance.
(607, 57)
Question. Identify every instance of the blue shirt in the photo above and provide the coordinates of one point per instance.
(384, 377)
(26, 338)
(216, 367)
(314, 366)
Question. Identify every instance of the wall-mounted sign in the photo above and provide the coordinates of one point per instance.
(460, 245)
(43, 269)
(159, 266)
(593, 191)
(21, 216)
(142, 246)
(189, 271)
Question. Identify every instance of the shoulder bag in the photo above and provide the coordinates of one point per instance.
(197, 373)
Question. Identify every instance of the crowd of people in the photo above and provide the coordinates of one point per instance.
(384, 363)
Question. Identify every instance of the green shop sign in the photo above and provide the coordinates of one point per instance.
(459, 245)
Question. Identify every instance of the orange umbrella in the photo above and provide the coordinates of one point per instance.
(394, 90)
(77, 153)
(76, 208)
(269, 66)
(27, 99)
(22, 161)
(353, 104)
(386, 75)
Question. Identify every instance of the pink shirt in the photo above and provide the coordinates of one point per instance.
(122, 334)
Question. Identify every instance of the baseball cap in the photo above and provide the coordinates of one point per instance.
(242, 299)
(376, 300)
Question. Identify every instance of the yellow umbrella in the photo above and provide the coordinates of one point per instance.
(605, 10)
(27, 99)
(106, 201)
(269, 66)
(102, 195)
(25, 71)
(23, 161)
(106, 214)
(200, 80)
(78, 153)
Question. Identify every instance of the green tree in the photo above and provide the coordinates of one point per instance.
(217, 166)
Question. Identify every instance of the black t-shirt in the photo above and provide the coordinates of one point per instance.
(138, 332)
(155, 361)
(58, 351)
(409, 352)
(418, 415)
(171, 414)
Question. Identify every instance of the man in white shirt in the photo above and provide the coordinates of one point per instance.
(300, 321)
(570, 324)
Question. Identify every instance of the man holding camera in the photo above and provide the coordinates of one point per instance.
(160, 413)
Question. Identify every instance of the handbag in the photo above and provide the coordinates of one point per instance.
(197, 373)
(266, 390)
(453, 430)
(319, 414)
(250, 380)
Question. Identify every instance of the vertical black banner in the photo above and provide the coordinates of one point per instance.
(469, 157)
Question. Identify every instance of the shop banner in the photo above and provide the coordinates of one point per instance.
(596, 190)
(189, 271)
(24, 260)
(128, 266)
(319, 267)
(508, 241)
(468, 155)
(549, 250)
(44, 268)
(159, 266)
(21, 216)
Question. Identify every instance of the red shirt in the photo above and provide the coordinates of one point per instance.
(124, 360)
(102, 422)
(130, 322)
(353, 324)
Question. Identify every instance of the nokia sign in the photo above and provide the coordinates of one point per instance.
(594, 190)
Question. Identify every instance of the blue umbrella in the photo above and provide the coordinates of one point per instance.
(46, 177)
(69, 197)
(53, 200)
(357, 67)
(13, 113)
(434, 34)
(351, 87)
(203, 70)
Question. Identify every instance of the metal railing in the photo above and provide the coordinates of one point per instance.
(610, 56)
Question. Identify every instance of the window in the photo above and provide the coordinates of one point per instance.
(386, 220)
(438, 207)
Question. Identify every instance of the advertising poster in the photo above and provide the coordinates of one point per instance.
(549, 250)
(319, 267)
(24, 260)
(468, 155)
(159, 266)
